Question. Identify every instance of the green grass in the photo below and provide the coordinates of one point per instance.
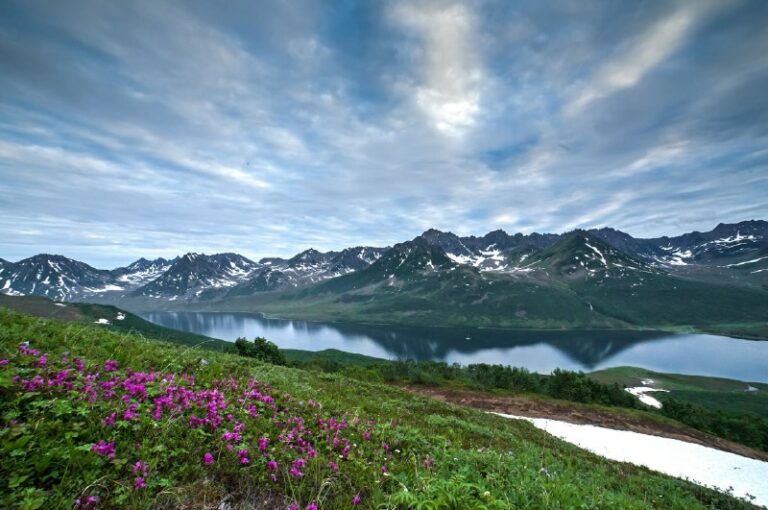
(88, 313)
(329, 355)
(714, 393)
(479, 460)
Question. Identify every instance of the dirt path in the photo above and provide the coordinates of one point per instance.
(533, 408)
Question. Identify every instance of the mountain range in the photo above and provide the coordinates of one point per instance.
(584, 278)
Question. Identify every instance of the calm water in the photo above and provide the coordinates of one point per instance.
(540, 351)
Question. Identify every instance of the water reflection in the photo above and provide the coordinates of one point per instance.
(540, 351)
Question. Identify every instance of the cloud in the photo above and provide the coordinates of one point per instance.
(450, 75)
(144, 129)
(652, 47)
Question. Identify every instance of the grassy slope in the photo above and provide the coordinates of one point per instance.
(88, 313)
(710, 392)
(665, 301)
(473, 452)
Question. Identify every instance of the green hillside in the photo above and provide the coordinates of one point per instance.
(114, 419)
(87, 313)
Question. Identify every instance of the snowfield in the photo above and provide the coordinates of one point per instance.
(723, 471)
(640, 393)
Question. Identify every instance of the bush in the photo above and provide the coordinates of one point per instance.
(261, 349)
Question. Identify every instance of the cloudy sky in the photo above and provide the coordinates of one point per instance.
(153, 128)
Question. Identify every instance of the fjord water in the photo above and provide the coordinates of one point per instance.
(539, 351)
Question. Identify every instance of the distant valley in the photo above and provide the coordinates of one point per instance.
(599, 278)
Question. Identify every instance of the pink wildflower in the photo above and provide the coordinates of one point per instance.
(109, 420)
(130, 413)
(293, 506)
(86, 502)
(356, 500)
(139, 483)
(207, 459)
(4, 362)
(104, 448)
(272, 465)
(312, 506)
(42, 360)
(263, 442)
(140, 467)
(110, 365)
(243, 455)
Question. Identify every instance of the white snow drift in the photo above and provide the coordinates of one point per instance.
(700, 464)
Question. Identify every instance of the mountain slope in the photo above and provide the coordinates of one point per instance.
(596, 278)
(52, 276)
(191, 275)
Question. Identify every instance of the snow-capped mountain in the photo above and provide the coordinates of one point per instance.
(192, 274)
(311, 266)
(496, 251)
(141, 271)
(580, 253)
(52, 276)
(730, 253)
(734, 245)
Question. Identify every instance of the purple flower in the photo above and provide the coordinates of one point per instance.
(312, 506)
(333, 466)
(293, 506)
(42, 360)
(86, 502)
(207, 459)
(357, 499)
(272, 465)
(139, 483)
(4, 362)
(263, 443)
(130, 413)
(104, 448)
(243, 455)
(109, 420)
(110, 365)
(140, 467)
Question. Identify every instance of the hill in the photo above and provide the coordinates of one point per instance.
(105, 418)
(107, 317)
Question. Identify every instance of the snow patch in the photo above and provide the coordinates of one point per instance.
(700, 464)
(737, 264)
(599, 254)
(640, 393)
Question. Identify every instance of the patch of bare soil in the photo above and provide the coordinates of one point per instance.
(574, 413)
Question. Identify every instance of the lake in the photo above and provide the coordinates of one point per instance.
(538, 351)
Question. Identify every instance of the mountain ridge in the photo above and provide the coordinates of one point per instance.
(498, 279)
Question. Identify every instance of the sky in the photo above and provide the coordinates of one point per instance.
(153, 128)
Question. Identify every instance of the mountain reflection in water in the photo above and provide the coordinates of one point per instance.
(540, 351)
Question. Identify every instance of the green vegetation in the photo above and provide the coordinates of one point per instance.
(714, 393)
(734, 422)
(260, 349)
(89, 313)
(63, 446)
